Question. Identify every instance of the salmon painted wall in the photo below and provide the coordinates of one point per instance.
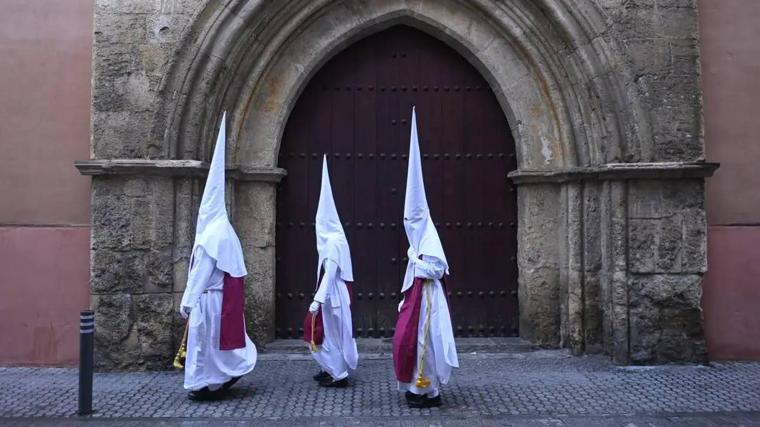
(729, 33)
(45, 56)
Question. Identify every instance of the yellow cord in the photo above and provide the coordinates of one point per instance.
(423, 382)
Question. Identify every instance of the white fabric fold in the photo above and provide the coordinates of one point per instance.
(216, 251)
(213, 231)
(331, 239)
(338, 352)
(205, 364)
(427, 260)
(418, 223)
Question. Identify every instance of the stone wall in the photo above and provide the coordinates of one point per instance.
(602, 97)
(667, 253)
(132, 270)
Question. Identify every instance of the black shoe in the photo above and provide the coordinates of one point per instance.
(230, 383)
(433, 402)
(415, 400)
(204, 395)
(328, 382)
(321, 376)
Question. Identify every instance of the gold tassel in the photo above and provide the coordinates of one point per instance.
(179, 359)
(422, 381)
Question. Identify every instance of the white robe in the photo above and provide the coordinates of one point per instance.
(338, 351)
(441, 353)
(205, 364)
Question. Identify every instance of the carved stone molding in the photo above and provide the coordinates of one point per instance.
(173, 168)
(617, 171)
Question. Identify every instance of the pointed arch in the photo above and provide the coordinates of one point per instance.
(254, 58)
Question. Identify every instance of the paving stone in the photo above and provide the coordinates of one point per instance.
(486, 385)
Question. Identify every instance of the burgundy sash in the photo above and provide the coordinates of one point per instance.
(405, 336)
(232, 328)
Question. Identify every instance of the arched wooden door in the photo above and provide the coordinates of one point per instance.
(357, 110)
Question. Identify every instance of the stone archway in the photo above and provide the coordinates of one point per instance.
(611, 218)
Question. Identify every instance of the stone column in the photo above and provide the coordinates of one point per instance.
(131, 274)
(255, 223)
(611, 259)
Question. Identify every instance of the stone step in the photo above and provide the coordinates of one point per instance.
(383, 346)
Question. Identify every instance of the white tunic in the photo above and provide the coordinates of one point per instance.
(440, 351)
(205, 364)
(338, 351)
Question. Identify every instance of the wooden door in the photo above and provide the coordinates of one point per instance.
(357, 110)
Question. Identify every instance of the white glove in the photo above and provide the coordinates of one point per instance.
(314, 307)
(184, 311)
(401, 303)
(412, 254)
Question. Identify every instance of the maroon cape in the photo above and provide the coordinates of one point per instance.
(232, 328)
(405, 336)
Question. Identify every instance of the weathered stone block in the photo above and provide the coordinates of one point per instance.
(537, 228)
(154, 320)
(642, 245)
(115, 337)
(694, 259)
(647, 18)
(113, 314)
(256, 202)
(260, 293)
(132, 235)
(675, 106)
(539, 301)
(666, 319)
(116, 271)
(111, 227)
(593, 314)
(662, 198)
(649, 56)
(120, 134)
(123, 7)
(120, 28)
(154, 60)
(684, 58)
(131, 271)
(592, 232)
(165, 28)
(682, 194)
(160, 269)
(184, 228)
(669, 244)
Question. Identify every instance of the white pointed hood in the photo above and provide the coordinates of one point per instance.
(331, 239)
(213, 231)
(419, 226)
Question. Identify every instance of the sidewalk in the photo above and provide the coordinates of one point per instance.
(516, 386)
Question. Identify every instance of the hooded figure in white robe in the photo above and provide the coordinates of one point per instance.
(424, 351)
(218, 348)
(337, 353)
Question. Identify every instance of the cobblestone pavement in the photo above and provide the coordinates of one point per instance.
(531, 388)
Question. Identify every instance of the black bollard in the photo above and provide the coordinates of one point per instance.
(86, 341)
